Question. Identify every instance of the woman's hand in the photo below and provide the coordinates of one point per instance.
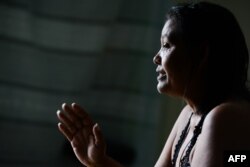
(84, 135)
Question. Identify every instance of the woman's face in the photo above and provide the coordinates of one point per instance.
(172, 61)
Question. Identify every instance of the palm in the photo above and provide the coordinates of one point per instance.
(86, 150)
(85, 136)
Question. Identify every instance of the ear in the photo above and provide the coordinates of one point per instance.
(204, 54)
(200, 59)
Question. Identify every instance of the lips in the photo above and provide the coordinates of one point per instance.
(162, 75)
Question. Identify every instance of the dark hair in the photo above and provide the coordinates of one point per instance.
(227, 61)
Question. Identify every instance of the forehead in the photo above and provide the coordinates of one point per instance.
(170, 30)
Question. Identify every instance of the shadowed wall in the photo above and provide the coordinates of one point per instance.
(97, 53)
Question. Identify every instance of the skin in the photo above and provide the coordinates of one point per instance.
(172, 60)
(223, 127)
(225, 121)
(84, 135)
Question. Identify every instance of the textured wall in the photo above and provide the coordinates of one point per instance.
(97, 53)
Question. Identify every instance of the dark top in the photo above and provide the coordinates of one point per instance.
(184, 162)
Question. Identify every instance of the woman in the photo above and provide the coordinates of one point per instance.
(203, 60)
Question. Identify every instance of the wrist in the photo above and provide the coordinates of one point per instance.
(103, 162)
(107, 161)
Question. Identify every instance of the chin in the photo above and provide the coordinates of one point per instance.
(162, 88)
(166, 89)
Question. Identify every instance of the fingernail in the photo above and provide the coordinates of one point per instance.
(97, 127)
(63, 105)
(58, 112)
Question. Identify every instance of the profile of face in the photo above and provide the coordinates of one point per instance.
(173, 62)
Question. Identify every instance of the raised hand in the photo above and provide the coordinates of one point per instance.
(84, 135)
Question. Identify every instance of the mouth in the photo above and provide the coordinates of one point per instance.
(162, 74)
(161, 77)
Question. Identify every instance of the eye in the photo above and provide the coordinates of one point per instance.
(166, 45)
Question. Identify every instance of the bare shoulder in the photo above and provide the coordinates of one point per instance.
(229, 111)
(229, 119)
(184, 116)
(225, 128)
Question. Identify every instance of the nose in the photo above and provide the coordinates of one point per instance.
(157, 59)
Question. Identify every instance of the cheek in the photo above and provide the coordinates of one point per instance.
(177, 69)
(170, 65)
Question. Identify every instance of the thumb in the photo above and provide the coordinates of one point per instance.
(99, 139)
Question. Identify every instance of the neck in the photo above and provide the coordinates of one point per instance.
(195, 97)
(195, 104)
(202, 99)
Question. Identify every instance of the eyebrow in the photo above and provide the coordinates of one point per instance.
(170, 36)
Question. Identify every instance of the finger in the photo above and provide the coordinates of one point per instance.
(91, 140)
(87, 121)
(99, 139)
(66, 121)
(64, 130)
(75, 119)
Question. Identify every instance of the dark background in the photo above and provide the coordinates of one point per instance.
(97, 53)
